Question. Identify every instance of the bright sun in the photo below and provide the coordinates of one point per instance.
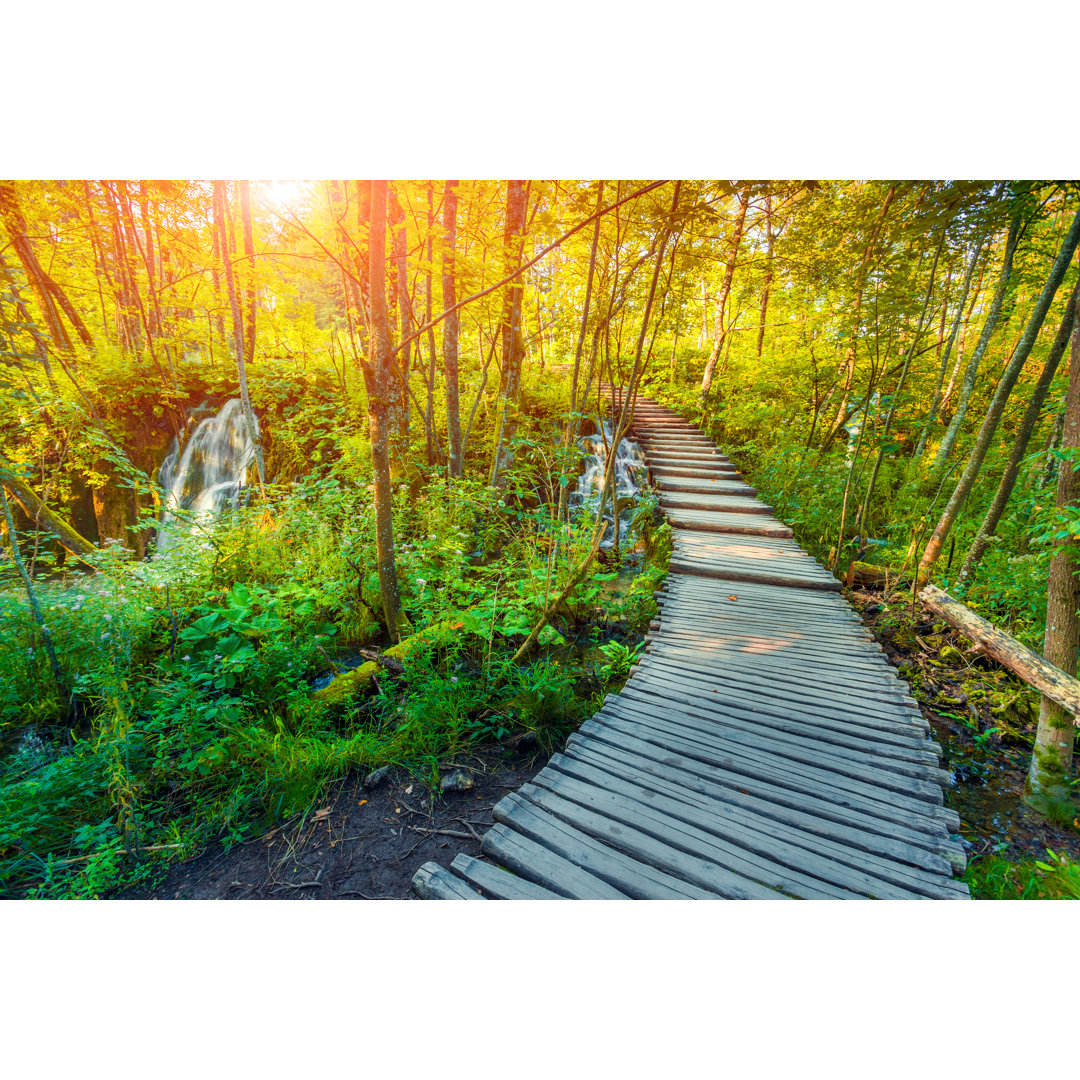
(285, 196)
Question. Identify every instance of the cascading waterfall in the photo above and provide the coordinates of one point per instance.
(208, 473)
(629, 469)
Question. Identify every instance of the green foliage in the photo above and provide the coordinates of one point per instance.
(996, 878)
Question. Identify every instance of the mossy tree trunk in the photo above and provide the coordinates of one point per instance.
(1051, 759)
(379, 384)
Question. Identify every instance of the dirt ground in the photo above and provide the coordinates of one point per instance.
(364, 841)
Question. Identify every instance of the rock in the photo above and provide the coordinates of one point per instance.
(457, 781)
(377, 776)
(948, 653)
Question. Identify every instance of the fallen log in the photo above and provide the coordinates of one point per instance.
(1048, 679)
(36, 509)
(349, 683)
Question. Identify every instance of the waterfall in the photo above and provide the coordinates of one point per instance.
(208, 472)
(629, 468)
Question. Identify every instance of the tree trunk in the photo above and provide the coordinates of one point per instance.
(847, 374)
(397, 218)
(429, 416)
(377, 377)
(725, 292)
(249, 273)
(1051, 760)
(451, 327)
(768, 274)
(1001, 396)
(513, 349)
(949, 438)
(239, 351)
(932, 411)
(1020, 443)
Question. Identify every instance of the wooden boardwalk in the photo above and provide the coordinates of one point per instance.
(763, 748)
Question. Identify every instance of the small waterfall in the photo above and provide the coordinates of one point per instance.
(629, 469)
(210, 471)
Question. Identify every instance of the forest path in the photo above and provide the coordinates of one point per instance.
(762, 748)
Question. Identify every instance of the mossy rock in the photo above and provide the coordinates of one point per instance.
(951, 655)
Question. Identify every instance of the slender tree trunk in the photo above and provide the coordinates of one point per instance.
(847, 374)
(860, 523)
(429, 424)
(949, 438)
(513, 349)
(1020, 443)
(15, 225)
(768, 274)
(397, 218)
(1051, 760)
(1001, 396)
(725, 292)
(451, 326)
(238, 337)
(920, 449)
(249, 273)
(377, 376)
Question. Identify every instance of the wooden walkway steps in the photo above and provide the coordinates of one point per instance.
(762, 748)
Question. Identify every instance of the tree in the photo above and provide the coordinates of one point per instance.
(451, 330)
(1001, 396)
(379, 382)
(1051, 759)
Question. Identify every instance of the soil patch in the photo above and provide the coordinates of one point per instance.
(362, 841)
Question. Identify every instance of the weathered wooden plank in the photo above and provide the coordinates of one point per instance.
(432, 882)
(681, 835)
(712, 521)
(497, 883)
(822, 783)
(774, 694)
(813, 856)
(642, 845)
(891, 744)
(623, 761)
(891, 780)
(767, 791)
(636, 879)
(545, 867)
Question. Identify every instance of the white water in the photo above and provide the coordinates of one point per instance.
(629, 471)
(210, 471)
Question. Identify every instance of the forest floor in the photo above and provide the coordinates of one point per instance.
(363, 841)
(987, 748)
(367, 837)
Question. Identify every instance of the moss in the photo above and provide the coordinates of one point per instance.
(348, 684)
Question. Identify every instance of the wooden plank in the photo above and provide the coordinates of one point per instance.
(889, 779)
(608, 738)
(891, 742)
(636, 879)
(653, 820)
(813, 856)
(773, 692)
(728, 504)
(497, 883)
(745, 573)
(820, 783)
(704, 873)
(544, 867)
(432, 882)
(624, 761)
(713, 521)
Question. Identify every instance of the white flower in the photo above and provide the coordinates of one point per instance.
(185, 657)
(108, 618)
(421, 581)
